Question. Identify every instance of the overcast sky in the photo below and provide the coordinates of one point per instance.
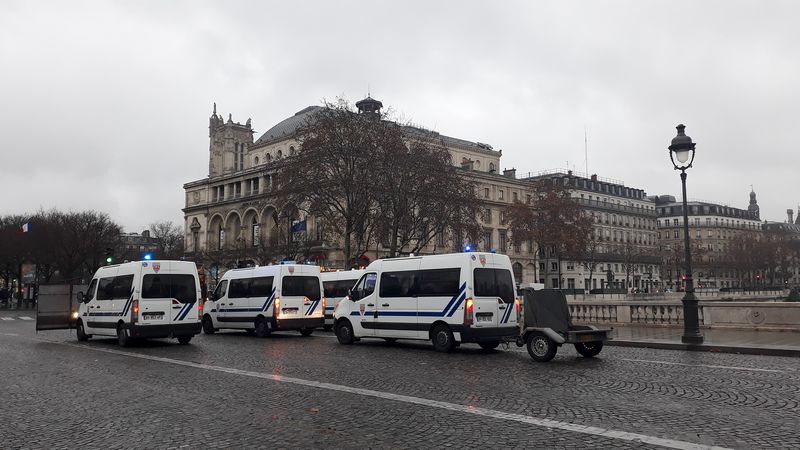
(105, 105)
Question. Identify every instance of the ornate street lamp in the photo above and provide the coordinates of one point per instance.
(681, 152)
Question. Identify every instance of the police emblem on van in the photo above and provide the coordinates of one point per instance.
(291, 269)
(156, 267)
(483, 260)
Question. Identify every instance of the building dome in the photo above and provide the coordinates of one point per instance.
(369, 105)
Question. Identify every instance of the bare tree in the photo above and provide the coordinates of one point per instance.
(554, 221)
(169, 237)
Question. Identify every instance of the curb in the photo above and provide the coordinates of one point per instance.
(766, 351)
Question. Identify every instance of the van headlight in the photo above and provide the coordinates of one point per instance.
(75, 314)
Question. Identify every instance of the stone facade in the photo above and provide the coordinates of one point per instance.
(625, 231)
(232, 215)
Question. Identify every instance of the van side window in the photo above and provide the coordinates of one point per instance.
(398, 284)
(365, 286)
(122, 286)
(260, 287)
(105, 289)
(239, 288)
(178, 286)
(329, 287)
(337, 289)
(222, 287)
(494, 283)
(438, 282)
(90, 290)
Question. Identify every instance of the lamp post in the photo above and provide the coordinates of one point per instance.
(681, 152)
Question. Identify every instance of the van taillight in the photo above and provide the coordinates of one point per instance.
(517, 305)
(468, 310)
(324, 301)
(200, 308)
(276, 307)
(135, 311)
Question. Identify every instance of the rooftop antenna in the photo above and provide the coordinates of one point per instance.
(586, 148)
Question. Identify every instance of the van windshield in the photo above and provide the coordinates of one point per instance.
(296, 285)
(494, 283)
(178, 286)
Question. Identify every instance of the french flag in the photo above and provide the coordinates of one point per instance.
(26, 227)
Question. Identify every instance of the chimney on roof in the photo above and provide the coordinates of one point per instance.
(790, 213)
(510, 173)
(594, 177)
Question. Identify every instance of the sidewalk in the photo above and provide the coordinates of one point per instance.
(772, 343)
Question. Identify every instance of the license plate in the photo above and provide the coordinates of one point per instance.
(289, 310)
(152, 316)
(484, 317)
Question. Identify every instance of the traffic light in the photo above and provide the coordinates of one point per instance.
(109, 255)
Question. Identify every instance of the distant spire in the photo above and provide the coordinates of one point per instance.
(215, 108)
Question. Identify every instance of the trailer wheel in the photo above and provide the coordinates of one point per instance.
(589, 349)
(541, 348)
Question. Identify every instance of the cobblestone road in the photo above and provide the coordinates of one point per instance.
(231, 390)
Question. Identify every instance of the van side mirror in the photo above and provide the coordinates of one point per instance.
(80, 297)
(352, 294)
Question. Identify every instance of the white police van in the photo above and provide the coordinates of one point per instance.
(264, 299)
(143, 299)
(336, 286)
(449, 299)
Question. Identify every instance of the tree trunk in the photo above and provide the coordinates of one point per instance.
(348, 231)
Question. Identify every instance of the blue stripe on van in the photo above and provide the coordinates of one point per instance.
(458, 303)
(506, 314)
(127, 304)
(455, 297)
(268, 302)
(186, 311)
(180, 313)
(312, 307)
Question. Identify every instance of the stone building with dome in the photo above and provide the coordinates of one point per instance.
(232, 214)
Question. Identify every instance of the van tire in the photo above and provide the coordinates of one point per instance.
(81, 332)
(442, 339)
(183, 340)
(489, 345)
(306, 331)
(344, 333)
(262, 327)
(589, 349)
(208, 325)
(123, 338)
(540, 347)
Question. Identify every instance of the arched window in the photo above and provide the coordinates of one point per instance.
(477, 163)
(291, 151)
(256, 161)
(491, 167)
(268, 157)
(279, 155)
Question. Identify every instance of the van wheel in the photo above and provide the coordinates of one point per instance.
(123, 338)
(183, 340)
(489, 346)
(306, 331)
(344, 333)
(208, 325)
(262, 328)
(442, 338)
(589, 349)
(81, 332)
(541, 348)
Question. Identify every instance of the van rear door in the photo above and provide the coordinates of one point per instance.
(301, 297)
(494, 299)
(168, 296)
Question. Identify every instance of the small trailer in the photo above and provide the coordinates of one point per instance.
(547, 326)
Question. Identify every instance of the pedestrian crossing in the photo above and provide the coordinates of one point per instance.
(17, 318)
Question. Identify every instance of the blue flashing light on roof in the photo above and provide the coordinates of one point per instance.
(467, 248)
(148, 256)
(494, 250)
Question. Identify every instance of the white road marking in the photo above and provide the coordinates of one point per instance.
(7, 318)
(26, 318)
(468, 409)
(752, 369)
